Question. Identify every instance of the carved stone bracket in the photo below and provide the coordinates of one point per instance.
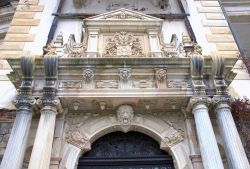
(197, 65)
(218, 75)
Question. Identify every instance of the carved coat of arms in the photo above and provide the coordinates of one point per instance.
(123, 44)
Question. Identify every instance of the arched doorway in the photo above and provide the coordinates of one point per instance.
(130, 150)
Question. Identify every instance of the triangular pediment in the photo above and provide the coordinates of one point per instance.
(123, 14)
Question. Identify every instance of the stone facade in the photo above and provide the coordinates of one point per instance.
(161, 68)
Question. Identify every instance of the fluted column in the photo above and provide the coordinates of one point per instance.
(15, 150)
(41, 152)
(236, 156)
(208, 145)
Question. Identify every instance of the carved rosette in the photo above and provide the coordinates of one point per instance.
(77, 138)
(125, 74)
(88, 75)
(125, 116)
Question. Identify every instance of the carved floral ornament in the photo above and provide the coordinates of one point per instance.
(88, 74)
(125, 73)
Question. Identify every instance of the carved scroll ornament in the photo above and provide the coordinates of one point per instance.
(77, 138)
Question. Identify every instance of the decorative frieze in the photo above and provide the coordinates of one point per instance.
(106, 84)
(144, 84)
(178, 84)
(70, 84)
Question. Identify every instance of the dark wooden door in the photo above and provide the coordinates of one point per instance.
(126, 151)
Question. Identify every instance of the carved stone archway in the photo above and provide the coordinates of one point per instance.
(86, 133)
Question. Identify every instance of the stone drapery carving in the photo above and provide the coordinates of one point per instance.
(125, 115)
(123, 44)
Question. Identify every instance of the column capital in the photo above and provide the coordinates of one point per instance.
(50, 104)
(23, 100)
(221, 101)
(198, 100)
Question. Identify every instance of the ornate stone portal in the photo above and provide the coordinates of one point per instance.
(117, 80)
